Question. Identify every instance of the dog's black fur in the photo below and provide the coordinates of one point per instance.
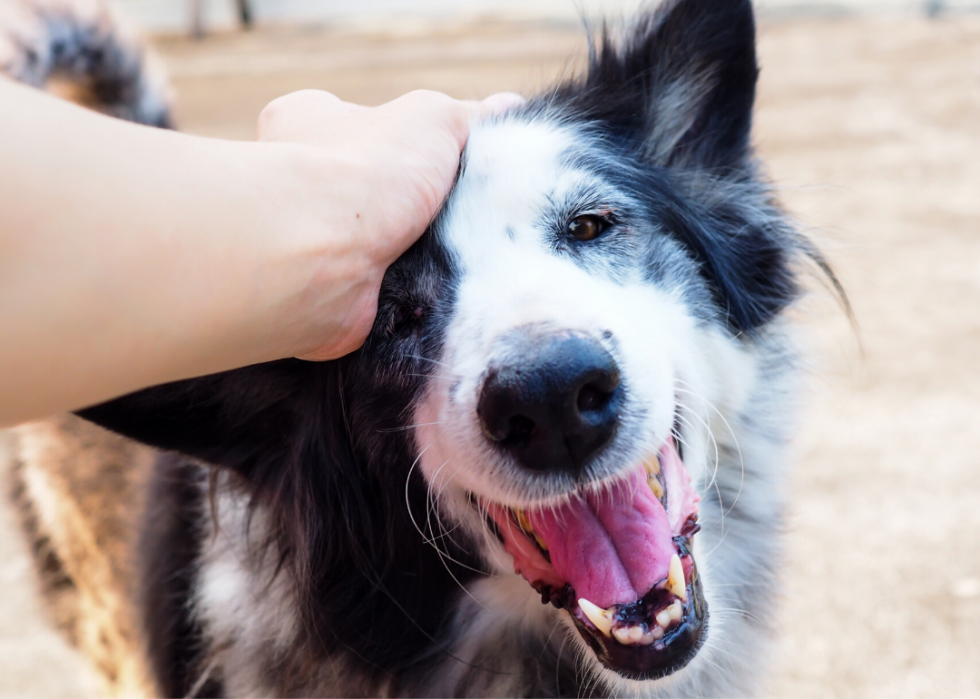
(322, 449)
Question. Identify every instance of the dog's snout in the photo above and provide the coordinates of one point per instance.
(555, 405)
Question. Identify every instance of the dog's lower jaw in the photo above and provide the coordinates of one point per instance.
(500, 624)
(616, 558)
(738, 544)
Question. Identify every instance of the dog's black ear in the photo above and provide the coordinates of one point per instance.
(682, 82)
(235, 419)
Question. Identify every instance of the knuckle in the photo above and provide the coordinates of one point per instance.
(280, 110)
(431, 100)
(273, 113)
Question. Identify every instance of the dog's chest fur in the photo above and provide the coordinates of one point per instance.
(500, 640)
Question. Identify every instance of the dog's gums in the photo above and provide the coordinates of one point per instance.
(591, 334)
(618, 559)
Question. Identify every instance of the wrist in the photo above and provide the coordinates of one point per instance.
(316, 271)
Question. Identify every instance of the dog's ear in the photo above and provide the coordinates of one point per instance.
(235, 419)
(679, 89)
(682, 82)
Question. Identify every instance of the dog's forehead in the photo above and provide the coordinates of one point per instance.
(514, 171)
(516, 150)
(504, 229)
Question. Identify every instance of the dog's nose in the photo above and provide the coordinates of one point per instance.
(555, 405)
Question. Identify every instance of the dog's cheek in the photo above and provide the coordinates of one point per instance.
(652, 353)
(438, 437)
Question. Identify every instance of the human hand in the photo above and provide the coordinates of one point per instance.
(170, 256)
(381, 177)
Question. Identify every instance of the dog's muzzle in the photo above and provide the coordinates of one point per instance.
(554, 404)
(615, 554)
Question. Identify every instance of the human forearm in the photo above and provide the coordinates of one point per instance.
(131, 256)
(153, 266)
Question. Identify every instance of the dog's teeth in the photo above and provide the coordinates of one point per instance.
(675, 610)
(675, 579)
(601, 618)
(663, 618)
(658, 490)
(525, 524)
(523, 520)
(656, 633)
(652, 466)
(634, 636)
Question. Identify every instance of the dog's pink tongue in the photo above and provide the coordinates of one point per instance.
(611, 548)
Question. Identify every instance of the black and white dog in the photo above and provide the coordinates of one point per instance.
(554, 468)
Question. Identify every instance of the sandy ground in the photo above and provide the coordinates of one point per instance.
(871, 127)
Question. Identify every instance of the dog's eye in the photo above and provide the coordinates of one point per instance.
(587, 227)
(405, 319)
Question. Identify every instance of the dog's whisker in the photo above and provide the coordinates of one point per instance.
(599, 242)
(731, 431)
(426, 359)
(684, 419)
(430, 540)
(737, 611)
(408, 500)
(406, 428)
(561, 649)
(444, 556)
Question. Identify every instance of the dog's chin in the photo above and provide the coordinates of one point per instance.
(674, 643)
(617, 558)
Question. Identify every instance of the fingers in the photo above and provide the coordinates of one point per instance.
(429, 111)
(389, 168)
(500, 103)
(438, 109)
(301, 116)
(304, 115)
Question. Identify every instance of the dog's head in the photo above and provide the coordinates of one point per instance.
(539, 389)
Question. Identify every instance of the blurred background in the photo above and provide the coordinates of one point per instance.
(177, 15)
(869, 121)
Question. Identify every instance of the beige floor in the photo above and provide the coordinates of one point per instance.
(872, 130)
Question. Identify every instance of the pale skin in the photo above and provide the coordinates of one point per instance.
(132, 256)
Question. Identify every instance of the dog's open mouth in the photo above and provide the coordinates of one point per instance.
(619, 561)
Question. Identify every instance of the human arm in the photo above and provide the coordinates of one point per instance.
(132, 256)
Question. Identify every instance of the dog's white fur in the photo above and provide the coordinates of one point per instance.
(731, 397)
(734, 408)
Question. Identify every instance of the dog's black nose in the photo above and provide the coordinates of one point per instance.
(555, 405)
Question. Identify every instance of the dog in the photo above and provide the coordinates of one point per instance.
(554, 468)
